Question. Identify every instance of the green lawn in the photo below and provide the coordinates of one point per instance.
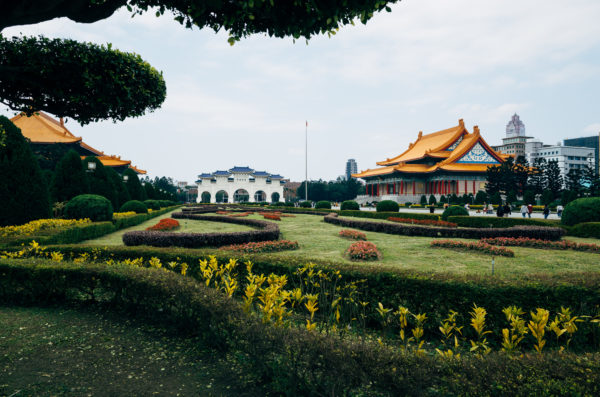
(319, 241)
(59, 352)
(187, 226)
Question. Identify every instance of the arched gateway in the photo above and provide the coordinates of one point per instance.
(240, 184)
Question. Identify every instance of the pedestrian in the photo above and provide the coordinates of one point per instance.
(500, 211)
(559, 210)
(507, 210)
(546, 211)
(529, 210)
(524, 210)
(467, 207)
(490, 208)
(431, 208)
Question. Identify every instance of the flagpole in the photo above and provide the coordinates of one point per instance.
(306, 161)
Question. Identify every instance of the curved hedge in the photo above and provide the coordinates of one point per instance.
(387, 206)
(543, 233)
(92, 206)
(586, 229)
(269, 231)
(349, 205)
(454, 210)
(582, 210)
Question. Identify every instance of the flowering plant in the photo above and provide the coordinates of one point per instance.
(41, 225)
(544, 244)
(272, 217)
(165, 224)
(240, 214)
(352, 234)
(363, 251)
(479, 246)
(263, 246)
(422, 222)
(119, 215)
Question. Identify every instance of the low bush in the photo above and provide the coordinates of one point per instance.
(582, 210)
(352, 234)
(480, 246)
(152, 204)
(323, 204)
(363, 251)
(264, 246)
(269, 231)
(349, 205)
(422, 222)
(454, 210)
(543, 244)
(544, 233)
(91, 206)
(165, 224)
(494, 221)
(305, 204)
(387, 206)
(134, 205)
(586, 229)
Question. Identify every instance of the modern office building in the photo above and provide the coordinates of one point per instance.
(515, 140)
(592, 142)
(568, 157)
(351, 168)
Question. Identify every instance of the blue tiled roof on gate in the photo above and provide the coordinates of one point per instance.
(241, 169)
(276, 176)
(221, 173)
(261, 173)
(205, 175)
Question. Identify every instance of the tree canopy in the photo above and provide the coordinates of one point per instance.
(88, 82)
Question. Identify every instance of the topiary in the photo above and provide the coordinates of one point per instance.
(581, 210)
(423, 200)
(119, 186)
(23, 190)
(350, 205)
(454, 210)
(432, 200)
(99, 181)
(133, 185)
(387, 206)
(154, 204)
(92, 206)
(323, 204)
(134, 205)
(70, 179)
(305, 204)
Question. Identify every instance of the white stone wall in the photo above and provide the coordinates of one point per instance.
(240, 181)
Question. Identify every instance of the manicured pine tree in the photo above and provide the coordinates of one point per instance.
(69, 179)
(99, 180)
(423, 200)
(134, 187)
(120, 189)
(432, 200)
(150, 191)
(481, 197)
(23, 190)
(554, 178)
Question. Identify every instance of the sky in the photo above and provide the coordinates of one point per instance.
(365, 92)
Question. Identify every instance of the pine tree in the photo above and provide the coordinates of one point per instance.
(537, 179)
(554, 178)
(118, 186)
(69, 179)
(574, 181)
(23, 191)
(134, 187)
(99, 181)
(592, 181)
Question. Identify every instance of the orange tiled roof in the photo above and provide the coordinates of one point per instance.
(41, 128)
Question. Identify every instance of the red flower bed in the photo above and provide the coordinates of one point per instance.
(272, 217)
(422, 222)
(165, 224)
(479, 246)
(240, 214)
(363, 251)
(222, 212)
(544, 244)
(264, 246)
(352, 234)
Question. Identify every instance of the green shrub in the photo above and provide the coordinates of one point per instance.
(454, 210)
(306, 204)
(423, 200)
(385, 215)
(586, 229)
(99, 181)
(349, 205)
(481, 197)
(281, 204)
(133, 185)
(323, 204)
(432, 200)
(134, 205)
(489, 221)
(582, 210)
(387, 206)
(69, 179)
(152, 204)
(92, 206)
(408, 204)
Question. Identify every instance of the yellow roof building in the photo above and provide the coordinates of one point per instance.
(41, 129)
(450, 161)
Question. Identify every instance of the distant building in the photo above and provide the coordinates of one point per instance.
(240, 184)
(590, 142)
(351, 168)
(515, 140)
(568, 157)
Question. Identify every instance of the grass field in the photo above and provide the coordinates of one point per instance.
(58, 352)
(319, 241)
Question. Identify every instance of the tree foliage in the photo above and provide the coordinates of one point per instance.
(69, 178)
(100, 182)
(336, 191)
(23, 190)
(84, 81)
(133, 185)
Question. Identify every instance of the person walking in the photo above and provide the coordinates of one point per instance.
(546, 211)
(506, 210)
(529, 210)
(559, 210)
(524, 210)
(499, 211)
(431, 209)
(490, 208)
(467, 207)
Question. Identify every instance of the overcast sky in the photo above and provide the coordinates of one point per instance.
(365, 92)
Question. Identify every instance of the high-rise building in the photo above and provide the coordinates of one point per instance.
(514, 143)
(592, 142)
(568, 157)
(351, 168)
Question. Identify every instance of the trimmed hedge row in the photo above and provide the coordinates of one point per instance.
(123, 223)
(543, 233)
(288, 360)
(385, 215)
(269, 232)
(587, 229)
(495, 222)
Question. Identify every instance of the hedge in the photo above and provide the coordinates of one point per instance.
(387, 206)
(495, 222)
(289, 360)
(269, 232)
(323, 204)
(123, 223)
(585, 209)
(134, 205)
(586, 229)
(543, 233)
(350, 205)
(92, 206)
(454, 210)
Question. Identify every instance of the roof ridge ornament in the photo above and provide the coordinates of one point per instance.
(461, 123)
(420, 135)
